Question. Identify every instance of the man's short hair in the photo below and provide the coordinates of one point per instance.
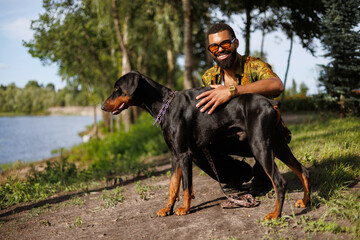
(219, 27)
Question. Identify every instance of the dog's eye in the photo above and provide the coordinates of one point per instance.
(116, 89)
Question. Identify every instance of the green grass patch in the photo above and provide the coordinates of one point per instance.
(122, 153)
(144, 190)
(112, 198)
(330, 148)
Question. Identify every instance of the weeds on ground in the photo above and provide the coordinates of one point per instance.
(75, 201)
(78, 222)
(144, 190)
(112, 198)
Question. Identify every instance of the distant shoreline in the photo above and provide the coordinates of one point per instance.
(59, 111)
(74, 110)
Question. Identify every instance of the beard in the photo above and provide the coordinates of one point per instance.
(226, 63)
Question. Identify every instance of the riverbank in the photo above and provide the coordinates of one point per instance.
(75, 110)
(59, 111)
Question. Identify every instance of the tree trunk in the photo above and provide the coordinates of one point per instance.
(188, 77)
(209, 60)
(126, 67)
(262, 44)
(171, 58)
(96, 132)
(287, 67)
(247, 31)
(263, 32)
(106, 118)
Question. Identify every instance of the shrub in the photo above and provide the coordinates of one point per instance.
(120, 152)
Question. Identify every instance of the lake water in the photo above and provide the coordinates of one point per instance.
(32, 138)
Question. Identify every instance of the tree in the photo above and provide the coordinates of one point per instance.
(126, 65)
(32, 84)
(72, 35)
(341, 41)
(188, 44)
(169, 26)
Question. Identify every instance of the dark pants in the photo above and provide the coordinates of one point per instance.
(230, 170)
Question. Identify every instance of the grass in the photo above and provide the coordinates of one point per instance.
(144, 190)
(331, 149)
(112, 198)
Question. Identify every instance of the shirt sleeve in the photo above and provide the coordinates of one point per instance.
(261, 70)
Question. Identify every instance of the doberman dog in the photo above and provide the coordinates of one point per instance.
(249, 118)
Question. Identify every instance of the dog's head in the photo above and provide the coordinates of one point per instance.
(123, 94)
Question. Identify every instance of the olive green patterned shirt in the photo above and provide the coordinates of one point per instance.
(250, 69)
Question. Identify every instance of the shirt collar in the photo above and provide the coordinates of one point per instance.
(238, 73)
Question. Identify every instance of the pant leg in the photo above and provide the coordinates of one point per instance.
(261, 179)
(229, 169)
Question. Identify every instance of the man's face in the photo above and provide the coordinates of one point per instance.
(224, 59)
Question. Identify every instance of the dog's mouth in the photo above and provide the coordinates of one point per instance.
(122, 106)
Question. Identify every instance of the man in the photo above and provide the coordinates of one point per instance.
(232, 76)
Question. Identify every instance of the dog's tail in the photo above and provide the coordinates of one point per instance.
(284, 129)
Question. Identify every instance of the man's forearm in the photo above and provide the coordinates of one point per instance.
(270, 86)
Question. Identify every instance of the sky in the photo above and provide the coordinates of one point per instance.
(18, 66)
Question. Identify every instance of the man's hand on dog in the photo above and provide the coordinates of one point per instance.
(218, 95)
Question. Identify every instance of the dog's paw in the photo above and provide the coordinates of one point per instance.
(182, 211)
(301, 203)
(163, 212)
(273, 215)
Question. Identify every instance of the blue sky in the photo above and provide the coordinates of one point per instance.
(17, 65)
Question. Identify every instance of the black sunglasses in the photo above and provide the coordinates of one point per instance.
(226, 45)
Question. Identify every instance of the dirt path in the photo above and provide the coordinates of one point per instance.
(85, 216)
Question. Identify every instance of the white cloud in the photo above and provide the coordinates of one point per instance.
(18, 29)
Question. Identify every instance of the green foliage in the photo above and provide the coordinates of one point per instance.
(341, 40)
(78, 222)
(112, 198)
(57, 172)
(75, 201)
(57, 176)
(144, 190)
(120, 152)
(35, 99)
(15, 191)
(298, 103)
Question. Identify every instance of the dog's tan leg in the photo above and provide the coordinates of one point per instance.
(173, 193)
(306, 185)
(304, 175)
(188, 195)
(277, 211)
